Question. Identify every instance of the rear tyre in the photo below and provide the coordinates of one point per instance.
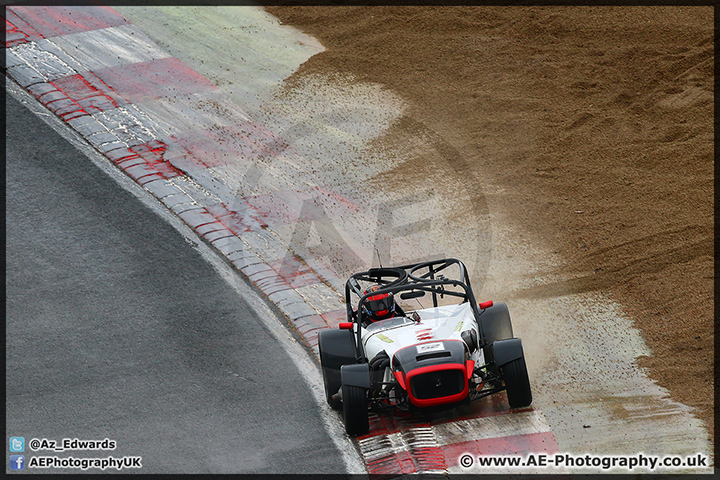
(355, 410)
(517, 383)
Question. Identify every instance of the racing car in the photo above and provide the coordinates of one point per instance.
(430, 358)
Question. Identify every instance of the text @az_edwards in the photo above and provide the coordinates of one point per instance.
(70, 444)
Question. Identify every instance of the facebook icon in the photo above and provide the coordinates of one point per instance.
(17, 462)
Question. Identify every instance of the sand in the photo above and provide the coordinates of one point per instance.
(596, 123)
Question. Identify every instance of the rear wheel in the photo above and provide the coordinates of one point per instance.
(355, 410)
(517, 383)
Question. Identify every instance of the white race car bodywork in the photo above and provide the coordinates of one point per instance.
(430, 359)
(433, 327)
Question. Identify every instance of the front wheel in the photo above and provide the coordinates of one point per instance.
(496, 323)
(331, 380)
(355, 410)
(517, 383)
(336, 348)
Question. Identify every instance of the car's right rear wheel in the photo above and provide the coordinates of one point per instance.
(517, 383)
(355, 410)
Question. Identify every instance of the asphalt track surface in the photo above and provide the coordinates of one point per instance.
(118, 328)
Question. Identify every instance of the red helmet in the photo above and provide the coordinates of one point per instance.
(380, 306)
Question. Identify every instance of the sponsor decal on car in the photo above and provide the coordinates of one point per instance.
(430, 347)
(384, 338)
(424, 334)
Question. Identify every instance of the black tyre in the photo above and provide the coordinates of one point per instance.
(496, 323)
(355, 410)
(336, 348)
(331, 379)
(517, 383)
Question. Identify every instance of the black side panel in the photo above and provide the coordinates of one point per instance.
(505, 351)
(357, 375)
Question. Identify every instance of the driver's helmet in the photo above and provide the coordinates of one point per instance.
(380, 306)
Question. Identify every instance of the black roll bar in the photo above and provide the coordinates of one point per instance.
(404, 279)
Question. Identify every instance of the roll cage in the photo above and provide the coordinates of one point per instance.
(425, 277)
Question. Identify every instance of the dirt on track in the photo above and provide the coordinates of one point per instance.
(598, 124)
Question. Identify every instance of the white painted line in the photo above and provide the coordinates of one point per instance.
(403, 441)
(496, 426)
(451, 433)
(48, 65)
(130, 124)
(108, 47)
